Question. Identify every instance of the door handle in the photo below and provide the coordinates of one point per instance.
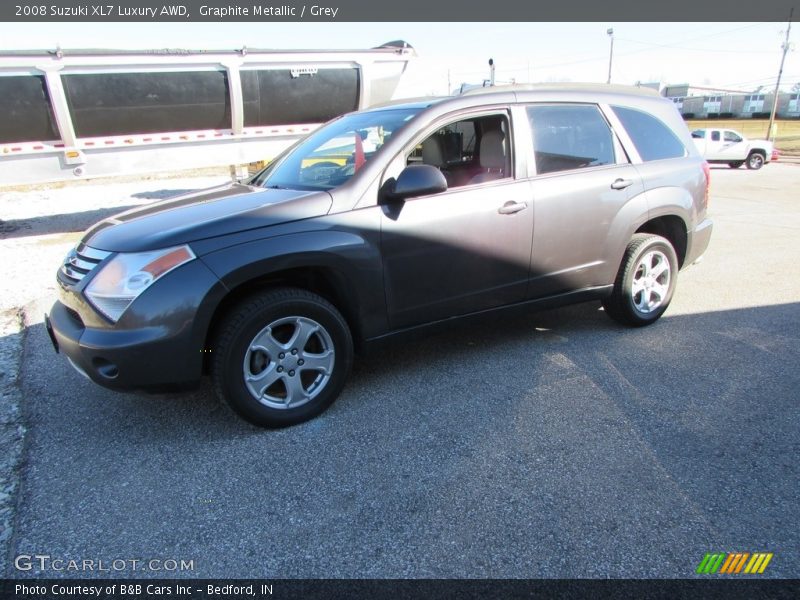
(621, 184)
(511, 207)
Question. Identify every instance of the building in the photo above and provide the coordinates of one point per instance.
(699, 102)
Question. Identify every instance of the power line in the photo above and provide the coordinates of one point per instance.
(719, 33)
(762, 80)
(676, 47)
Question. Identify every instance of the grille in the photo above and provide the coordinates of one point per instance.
(80, 262)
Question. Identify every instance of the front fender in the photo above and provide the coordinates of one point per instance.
(352, 257)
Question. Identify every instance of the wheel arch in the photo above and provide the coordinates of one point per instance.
(324, 280)
(340, 266)
(672, 228)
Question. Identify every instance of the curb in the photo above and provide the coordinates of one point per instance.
(12, 430)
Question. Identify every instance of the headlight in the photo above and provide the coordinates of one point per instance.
(126, 276)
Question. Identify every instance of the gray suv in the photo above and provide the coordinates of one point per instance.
(386, 221)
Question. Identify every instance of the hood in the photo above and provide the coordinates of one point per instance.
(230, 208)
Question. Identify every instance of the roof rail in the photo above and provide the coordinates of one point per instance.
(563, 87)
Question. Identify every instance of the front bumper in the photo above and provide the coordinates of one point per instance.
(137, 359)
(159, 343)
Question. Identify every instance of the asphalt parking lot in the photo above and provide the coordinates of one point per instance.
(554, 444)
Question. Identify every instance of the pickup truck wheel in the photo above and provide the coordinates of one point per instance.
(736, 164)
(755, 161)
(281, 357)
(645, 281)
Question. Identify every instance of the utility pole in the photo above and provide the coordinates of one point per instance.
(610, 32)
(785, 47)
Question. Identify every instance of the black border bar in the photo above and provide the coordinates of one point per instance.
(448, 11)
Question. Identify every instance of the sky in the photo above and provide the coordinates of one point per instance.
(737, 56)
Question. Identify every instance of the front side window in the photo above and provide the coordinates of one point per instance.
(570, 136)
(715, 136)
(732, 137)
(469, 151)
(330, 156)
(699, 134)
(652, 138)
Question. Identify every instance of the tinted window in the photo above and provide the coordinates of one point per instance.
(289, 96)
(715, 136)
(700, 133)
(652, 138)
(732, 137)
(25, 106)
(123, 103)
(334, 153)
(570, 136)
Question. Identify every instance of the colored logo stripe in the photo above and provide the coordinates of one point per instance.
(758, 563)
(733, 562)
(710, 563)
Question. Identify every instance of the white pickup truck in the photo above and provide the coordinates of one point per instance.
(732, 148)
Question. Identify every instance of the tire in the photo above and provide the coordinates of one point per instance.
(265, 373)
(736, 164)
(637, 299)
(755, 161)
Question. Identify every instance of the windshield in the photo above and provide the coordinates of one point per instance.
(331, 155)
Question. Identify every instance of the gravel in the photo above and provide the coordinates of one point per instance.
(39, 225)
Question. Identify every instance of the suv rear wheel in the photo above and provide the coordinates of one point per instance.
(282, 357)
(645, 281)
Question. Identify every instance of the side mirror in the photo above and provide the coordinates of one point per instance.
(415, 180)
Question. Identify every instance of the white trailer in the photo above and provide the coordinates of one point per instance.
(68, 115)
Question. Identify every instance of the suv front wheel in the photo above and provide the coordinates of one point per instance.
(281, 357)
(645, 281)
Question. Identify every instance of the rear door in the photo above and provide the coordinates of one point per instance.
(582, 181)
(714, 145)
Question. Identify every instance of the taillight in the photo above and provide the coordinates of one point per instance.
(775, 154)
(707, 173)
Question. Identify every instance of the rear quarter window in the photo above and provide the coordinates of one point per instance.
(652, 138)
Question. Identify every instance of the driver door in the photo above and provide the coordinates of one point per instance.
(732, 147)
(466, 249)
